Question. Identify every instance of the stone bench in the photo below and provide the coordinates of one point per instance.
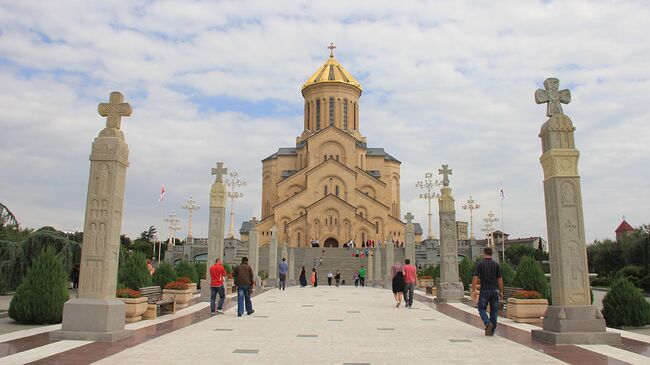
(155, 303)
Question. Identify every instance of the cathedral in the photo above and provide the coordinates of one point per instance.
(331, 186)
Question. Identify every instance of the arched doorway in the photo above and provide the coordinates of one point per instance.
(331, 242)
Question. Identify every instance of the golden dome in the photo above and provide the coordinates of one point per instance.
(331, 71)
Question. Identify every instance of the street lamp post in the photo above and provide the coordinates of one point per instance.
(190, 206)
(174, 226)
(428, 185)
(233, 182)
(471, 206)
(489, 228)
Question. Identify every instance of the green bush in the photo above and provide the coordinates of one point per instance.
(466, 272)
(134, 273)
(164, 274)
(186, 269)
(228, 268)
(201, 269)
(531, 277)
(40, 297)
(427, 271)
(630, 272)
(625, 305)
(644, 283)
(601, 282)
(508, 274)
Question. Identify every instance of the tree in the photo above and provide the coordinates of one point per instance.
(184, 268)
(531, 277)
(40, 297)
(624, 305)
(508, 274)
(164, 274)
(515, 253)
(7, 217)
(134, 273)
(148, 235)
(466, 271)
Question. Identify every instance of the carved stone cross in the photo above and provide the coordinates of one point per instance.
(274, 229)
(552, 96)
(445, 172)
(114, 110)
(254, 221)
(219, 171)
(332, 47)
(409, 217)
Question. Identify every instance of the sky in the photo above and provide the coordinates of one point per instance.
(444, 83)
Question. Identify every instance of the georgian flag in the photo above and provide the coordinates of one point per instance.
(162, 193)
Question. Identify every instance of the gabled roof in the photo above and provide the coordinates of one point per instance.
(417, 228)
(624, 227)
(381, 152)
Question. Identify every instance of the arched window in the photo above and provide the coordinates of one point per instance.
(337, 157)
(337, 190)
(325, 190)
(331, 111)
(318, 114)
(377, 227)
(345, 114)
(298, 239)
(308, 114)
(355, 116)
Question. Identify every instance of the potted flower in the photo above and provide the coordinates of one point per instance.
(179, 292)
(263, 277)
(135, 304)
(526, 306)
(188, 281)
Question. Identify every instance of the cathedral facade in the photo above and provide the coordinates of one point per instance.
(331, 186)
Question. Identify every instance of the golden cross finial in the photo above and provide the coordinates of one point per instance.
(331, 48)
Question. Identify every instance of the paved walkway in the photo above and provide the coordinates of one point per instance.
(324, 325)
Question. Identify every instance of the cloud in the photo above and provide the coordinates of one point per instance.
(444, 82)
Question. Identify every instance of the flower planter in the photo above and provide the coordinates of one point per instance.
(181, 297)
(134, 308)
(192, 287)
(526, 310)
(230, 286)
(424, 283)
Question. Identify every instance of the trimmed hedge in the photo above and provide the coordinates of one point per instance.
(40, 297)
(134, 273)
(184, 268)
(625, 305)
(531, 277)
(164, 274)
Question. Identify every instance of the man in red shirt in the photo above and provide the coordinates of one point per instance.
(410, 277)
(217, 273)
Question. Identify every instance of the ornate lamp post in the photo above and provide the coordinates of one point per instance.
(174, 226)
(190, 206)
(489, 228)
(471, 206)
(428, 185)
(232, 182)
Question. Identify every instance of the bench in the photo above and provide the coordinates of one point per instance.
(155, 303)
(508, 292)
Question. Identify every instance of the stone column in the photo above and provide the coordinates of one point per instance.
(370, 272)
(379, 274)
(409, 240)
(285, 251)
(254, 250)
(450, 288)
(571, 319)
(216, 225)
(273, 259)
(390, 260)
(96, 314)
(291, 275)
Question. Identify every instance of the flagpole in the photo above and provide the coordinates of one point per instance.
(503, 233)
(162, 221)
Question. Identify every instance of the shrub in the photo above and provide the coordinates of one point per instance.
(531, 277)
(186, 269)
(527, 294)
(601, 282)
(201, 269)
(630, 272)
(625, 305)
(228, 268)
(128, 293)
(466, 271)
(644, 283)
(263, 275)
(507, 274)
(40, 297)
(176, 285)
(164, 274)
(134, 273)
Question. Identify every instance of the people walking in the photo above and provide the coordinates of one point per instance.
(217, 275)
(283, 267)
(410, 277)
(329, 278)
(489, 273)
(313, 277)
(398, 282)
(355, 276)
(244, 282)
(337, 278)
(303, 277)
(362, 276)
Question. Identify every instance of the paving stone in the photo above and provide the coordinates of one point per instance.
(245, 351)
(460, 340)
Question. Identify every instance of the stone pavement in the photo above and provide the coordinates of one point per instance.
(324, 325)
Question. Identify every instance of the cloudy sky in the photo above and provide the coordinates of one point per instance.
(444, 82)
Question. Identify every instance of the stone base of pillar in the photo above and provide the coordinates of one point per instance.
(272, 282)
(205, 290)
(92, 320)
(576, 324)
(291, 282)
(450, 292)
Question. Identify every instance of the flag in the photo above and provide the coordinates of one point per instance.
(162, 193)
(502, 195)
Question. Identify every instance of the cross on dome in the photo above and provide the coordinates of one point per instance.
(332, 47)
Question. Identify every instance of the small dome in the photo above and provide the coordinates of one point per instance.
(331, 71)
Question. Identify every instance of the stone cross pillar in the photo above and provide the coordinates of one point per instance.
(254, 250)
(285, 251)
(291, 275)
(571, 319)
(450, 288)
(96, 314)
(370, 272)
(409, 240)
(273, 258)
(379, 274)
(216, 224)
(390, 260)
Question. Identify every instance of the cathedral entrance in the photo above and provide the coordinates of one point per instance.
(331, 242)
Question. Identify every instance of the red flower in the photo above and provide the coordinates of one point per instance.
(177, 285)
(128, 293)
(184, 279)
(527, 294)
